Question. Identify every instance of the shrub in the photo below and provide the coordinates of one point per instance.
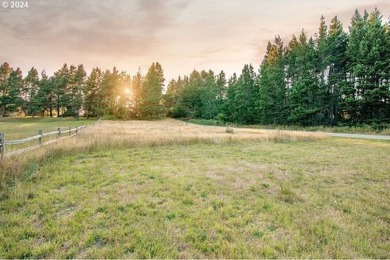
(229, 130)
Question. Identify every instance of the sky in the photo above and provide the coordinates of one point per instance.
(182, 35)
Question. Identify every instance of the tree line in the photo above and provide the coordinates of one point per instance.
(71, 92)
(331, 78)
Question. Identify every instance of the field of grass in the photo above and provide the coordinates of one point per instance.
(19, 128)
(383, 129)
(167, 189)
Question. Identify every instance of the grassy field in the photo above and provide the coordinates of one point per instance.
(167, 189)
(381, 129)
(19, 128)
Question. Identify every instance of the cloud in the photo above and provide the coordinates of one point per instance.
(180, 34)
(126, 28)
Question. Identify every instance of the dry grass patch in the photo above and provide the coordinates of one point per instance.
(174, 131)
(135, 133)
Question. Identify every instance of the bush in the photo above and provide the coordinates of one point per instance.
(229, 130)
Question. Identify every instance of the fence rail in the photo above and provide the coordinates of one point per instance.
(4, 143)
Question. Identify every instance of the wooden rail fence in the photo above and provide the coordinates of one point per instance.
(4, 143)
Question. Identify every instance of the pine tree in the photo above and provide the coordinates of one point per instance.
(305, 93)
(105, 94)
(231, 104)
(136, 84)
(336, 60)
(15, 83)
(323, 68)
(376, 64)
(273, 90)
(190, 101)
(174, 98)
(46, 96)
(30, 92)
(246, 96)
(208, 95)
(76, 90)
(60, 84)
(5, 71)
(367, 94)
(221, 95)
(353, 91)
(152, 87)
(92, 99)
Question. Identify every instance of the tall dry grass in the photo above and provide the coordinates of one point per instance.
(115, 134)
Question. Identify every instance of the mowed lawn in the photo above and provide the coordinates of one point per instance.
(249, 198)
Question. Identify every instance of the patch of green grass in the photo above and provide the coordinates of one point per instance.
(383, 129)
(324, 199)
(207, 122)
(20, 128)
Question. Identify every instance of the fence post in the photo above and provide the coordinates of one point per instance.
(40, 132)
(76, 130)
(59, 131)
(2, 145)
(70, 129)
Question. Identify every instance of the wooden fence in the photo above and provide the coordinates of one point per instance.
(5, 143)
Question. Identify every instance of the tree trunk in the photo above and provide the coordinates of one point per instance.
(58, 110)
(51, 111)
(3, 110)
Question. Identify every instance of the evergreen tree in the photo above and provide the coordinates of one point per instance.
(221, 95)
(367, 94)
(191, 101)
(46, 95)
(208, 95)
(30, 92)
(336, 63)
(175, 96)
(375, 52)
(273, 90)
(305, 93)
(231, 100)
(136, 84)
(5, 71)
(15, 83)
(105, 94)
(76, 91)
(60, 84)
(151, 106)
(246, 97)
(323, 68)
(124, 100)
(92, 94)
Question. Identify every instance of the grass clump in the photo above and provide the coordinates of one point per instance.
(229, 130)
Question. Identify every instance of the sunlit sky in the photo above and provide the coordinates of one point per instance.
(180, 34)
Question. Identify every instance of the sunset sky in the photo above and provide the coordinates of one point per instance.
(180, 34)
